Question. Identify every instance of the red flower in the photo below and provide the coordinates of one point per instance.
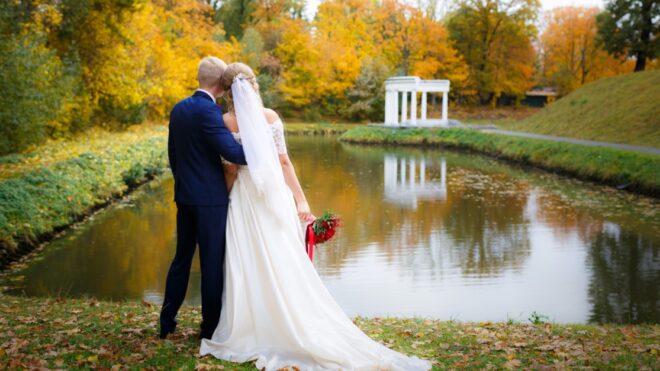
(320, 230)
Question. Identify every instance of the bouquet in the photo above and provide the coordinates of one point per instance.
(319, 231)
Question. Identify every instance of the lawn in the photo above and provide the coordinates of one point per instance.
(91, 334)
(621, 109)
(317, 128)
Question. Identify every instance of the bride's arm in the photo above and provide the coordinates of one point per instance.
(298, 194)
(231, 171)
(288, 170)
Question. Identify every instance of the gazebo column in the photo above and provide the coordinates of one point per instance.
(423, 106)
(388, 107)
(413, 167)
(404, 107)
(391, 107)
(443, 173)
(422, 172)
(413, 108)
(445, 105)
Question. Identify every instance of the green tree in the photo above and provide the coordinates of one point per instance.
(252, 45)
(32, 85)
(368, 94)
(495, 39)
(30, 90)
(631, 27)
(235, 16)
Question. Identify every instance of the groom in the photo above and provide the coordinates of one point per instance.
(197, 139)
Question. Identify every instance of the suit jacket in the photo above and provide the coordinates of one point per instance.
(197, 139)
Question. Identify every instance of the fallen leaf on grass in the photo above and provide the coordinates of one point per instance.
(136, 331)
(205, 367)
(512, 364)
(15, 346)
(70, 332)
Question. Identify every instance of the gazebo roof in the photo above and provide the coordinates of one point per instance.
(414, 83)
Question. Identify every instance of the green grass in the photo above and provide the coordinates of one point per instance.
(300, 128)
(57, 185)
(638, 172)
(89, 334)
(621, 109)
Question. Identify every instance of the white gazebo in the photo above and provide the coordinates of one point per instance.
(409, 87)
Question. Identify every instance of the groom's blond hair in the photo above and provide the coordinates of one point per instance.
(209, 71)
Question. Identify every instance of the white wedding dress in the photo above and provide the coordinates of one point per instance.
(275, 308)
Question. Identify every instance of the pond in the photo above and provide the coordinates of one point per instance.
(426, 233)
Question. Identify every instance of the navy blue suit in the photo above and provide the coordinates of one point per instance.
(197, 139)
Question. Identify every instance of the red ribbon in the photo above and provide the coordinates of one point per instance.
(310, 241)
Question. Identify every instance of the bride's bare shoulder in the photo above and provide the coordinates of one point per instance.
(271, 116)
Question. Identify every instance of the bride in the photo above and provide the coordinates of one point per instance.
(276, 310)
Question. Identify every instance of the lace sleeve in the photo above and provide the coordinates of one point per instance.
(278, 136)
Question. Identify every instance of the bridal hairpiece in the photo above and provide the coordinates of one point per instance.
(241, 76)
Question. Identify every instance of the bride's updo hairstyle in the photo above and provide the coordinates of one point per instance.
(242, 71)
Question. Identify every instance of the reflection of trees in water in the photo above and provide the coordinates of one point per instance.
(487, 223)
(481, 221)
(125, 251)
(564, 218)
(625, 275)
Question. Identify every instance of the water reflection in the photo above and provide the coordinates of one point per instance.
(626, 272)
(405, 180)
(428, 233)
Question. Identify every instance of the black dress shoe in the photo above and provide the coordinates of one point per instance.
(203, 335)
(164, 333)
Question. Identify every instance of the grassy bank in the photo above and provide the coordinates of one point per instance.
(637, 172)
(57, 184)
(621, 109)
(306, 128)
(68, 333)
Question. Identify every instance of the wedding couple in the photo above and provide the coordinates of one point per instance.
(261, 296)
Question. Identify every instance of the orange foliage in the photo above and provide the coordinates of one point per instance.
(571, 56)
(325, 60)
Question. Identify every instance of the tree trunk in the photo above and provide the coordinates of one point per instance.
(645, 35)
(640, 64)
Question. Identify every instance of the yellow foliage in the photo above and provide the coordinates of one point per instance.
(300, 62)
(325, 61)
(571, 56)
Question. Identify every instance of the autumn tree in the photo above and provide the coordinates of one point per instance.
(571, 55)
(31, 78)
(184, 33)
(235, 16)
(367, 96)
(630, 27)
(495, 39)
(299, 60)
(320, 67)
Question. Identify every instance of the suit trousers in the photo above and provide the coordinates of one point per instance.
(204, 226)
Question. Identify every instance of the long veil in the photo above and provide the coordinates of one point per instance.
(258, 144)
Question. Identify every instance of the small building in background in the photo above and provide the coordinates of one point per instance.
(539, 97)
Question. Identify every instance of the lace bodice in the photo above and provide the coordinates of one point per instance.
(278, 136)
